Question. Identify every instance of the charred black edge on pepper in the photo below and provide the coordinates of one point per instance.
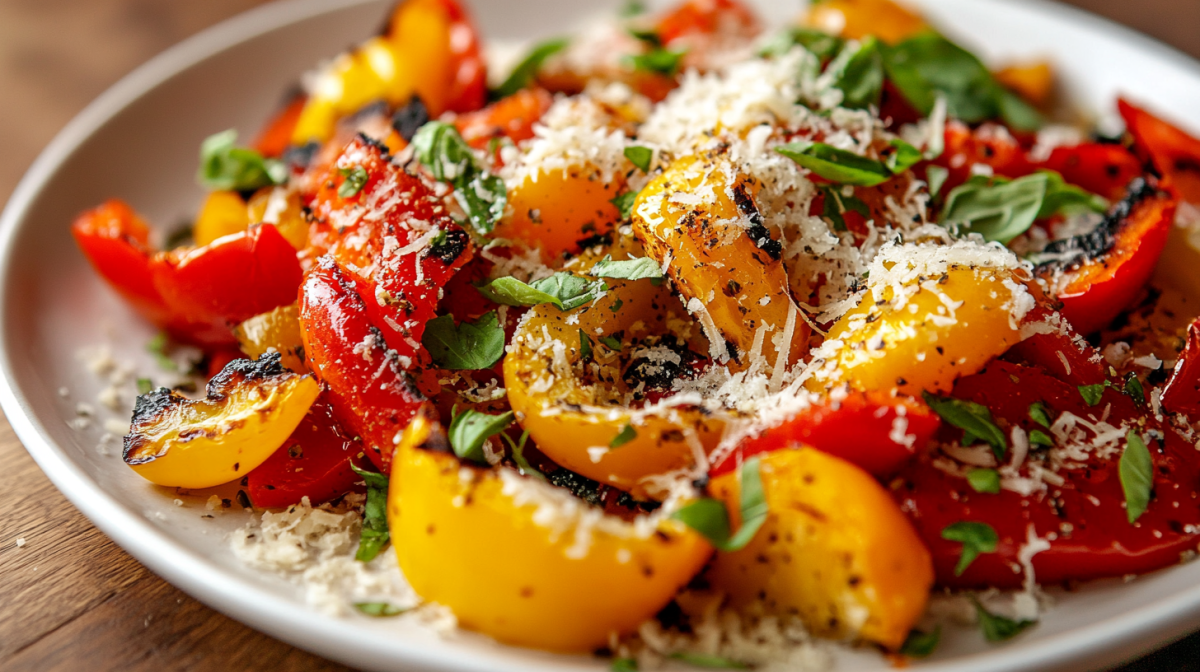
(758, 230)
(1103, 238)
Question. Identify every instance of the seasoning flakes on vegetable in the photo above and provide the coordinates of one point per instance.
(690, 332)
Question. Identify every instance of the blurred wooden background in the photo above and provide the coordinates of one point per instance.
(69, 598)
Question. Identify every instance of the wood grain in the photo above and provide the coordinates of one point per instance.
(69, 598)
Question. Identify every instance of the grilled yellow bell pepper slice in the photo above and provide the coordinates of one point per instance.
(250, 411)
(277, 330)
(522, 561)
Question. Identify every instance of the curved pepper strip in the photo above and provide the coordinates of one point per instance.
(368, 388)
(394, 238)
(1118, 258)
(196, 294)
(1182, 393)
(1173, 152)
(876, 432)
(1092, 537)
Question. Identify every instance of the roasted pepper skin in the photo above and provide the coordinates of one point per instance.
(1174, 153)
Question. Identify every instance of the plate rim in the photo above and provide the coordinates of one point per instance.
(1142, 629)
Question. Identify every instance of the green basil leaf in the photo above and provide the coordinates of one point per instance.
(975, 537)
(470, 429)
(1015, 112)
(1039, 414)
(1092, 394)
(629, 269)
(1134, 390)
(465, 347)
(984, 480)
(526, 70)
(226, 167)
(640, 157)
(708, 660)
(998, 628)
(970, 417)
(585, 345)
(144, 386)
(936, 175)
(820, 44)
(1063, 197)
(439, 147)
(836, 205)
(858, 73)
(483, 197)
(710, 519)
(611, 342)
(658, 61)
(571, 290)
(836, 165)
(903, 156)
(374, 536)
(921, 644)
(624, 203)
(624, 665)
(509, 291)
(1039, 438)
(373, 479)
(998, 211)
(1136, 470)
(157, 347)
(356, 178)
(627, 434)
(380, 609)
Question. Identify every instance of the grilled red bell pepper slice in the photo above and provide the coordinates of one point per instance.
(1115, 261)
(1174, 153)
(368, 387)
(1103, 169)
(314, 462)
(1083, 520)
(872, 430)
(1182, 392)
(512, 117)
(116, 242)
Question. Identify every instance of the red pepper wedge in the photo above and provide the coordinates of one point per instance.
(1118, 259)
(1102, 169)
(1173, 152)
(314, 462)
(368, 388)
(512, 117)
(1084, 520)
(116, 242)
(871, 430)
(1182, 392)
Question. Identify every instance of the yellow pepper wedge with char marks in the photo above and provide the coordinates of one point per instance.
(250, 411)
(522, 561)
(276, 330)
(835, 550)
(699, 219)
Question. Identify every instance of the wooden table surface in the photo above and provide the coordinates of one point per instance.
(70, 599)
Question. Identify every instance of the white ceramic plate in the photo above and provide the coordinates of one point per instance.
(139, 142)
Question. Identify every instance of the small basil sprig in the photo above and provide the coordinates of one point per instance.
(640, 268)
(974, 419)
(1000, 209)
(355, 180)
(624, 203)
(380, 609)
(1136, 470)
(470, 429)
(858, 72)
(921, 644)
(640, 156)
(658, 60)
(975, 538)
(524, 72)
(844, 167)
(627, 434)
(374, 537)
(710, 518)
(226, 167)
(464, 347)
(984, 480)
(928, 65)
(998, 628)
(836, 205)
(818, 43)
(567, 291)
(483, 196)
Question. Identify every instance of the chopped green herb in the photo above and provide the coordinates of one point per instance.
(157, 347)
(1039, 438)
(970, 417)
(380, 609)
(858, 73)
(483, 196)
(936, 175)
(627, 434)
(820, 44)
(628, 269)
(585, 345)
(996, 209)
(984, 480)
(611, 342)
(1092, 393)
(356, 178)
(374, 536)
(468, 346)
(624, 665)
(708, 660)
(975, 537)
(632, 8)
(470, 429)
(903, 157)
(226, 167)
(836, 205)
(624, 203)
(836, 165)
(1067, 198)
(1134, 390)
(526, 70)
(659, 61)
(518, 455)
(640, 157)
(648, 35)
(710, 518)
(1136, 470)
(921, 644)
(1039, 414)
(998, 628)
(509, 291)
(144, 386)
